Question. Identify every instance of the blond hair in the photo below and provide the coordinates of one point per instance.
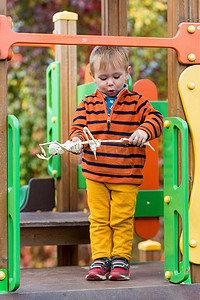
(104, 55)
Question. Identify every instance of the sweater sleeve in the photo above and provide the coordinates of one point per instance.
(79, 122)
(151, 120)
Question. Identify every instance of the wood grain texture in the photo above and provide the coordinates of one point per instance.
(55, 228)
(114, 17)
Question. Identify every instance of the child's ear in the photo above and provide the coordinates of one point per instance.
(128, 72)
(92, 77)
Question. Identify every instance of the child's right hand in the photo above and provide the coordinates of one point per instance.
(77, 148)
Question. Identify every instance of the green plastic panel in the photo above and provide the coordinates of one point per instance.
(13, 204)
(178, 200)
(130, 83)
(149, 204)
(53, 113)
(84, 90)
(161, 106)
(23, 195)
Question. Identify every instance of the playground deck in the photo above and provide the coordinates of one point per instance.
(147, 282)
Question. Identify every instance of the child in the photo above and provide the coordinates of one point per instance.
(113, 112)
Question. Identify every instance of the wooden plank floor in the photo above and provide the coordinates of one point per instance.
(147, 282)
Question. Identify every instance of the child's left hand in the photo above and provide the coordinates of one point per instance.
(138, 137)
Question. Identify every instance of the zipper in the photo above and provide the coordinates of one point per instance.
(105, 107)
(108, 123)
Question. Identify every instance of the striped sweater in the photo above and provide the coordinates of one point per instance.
(116, 162)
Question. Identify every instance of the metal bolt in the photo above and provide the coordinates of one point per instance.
(53, 66)
(191, 29)
(148, 203)
(191, 85)
(191, 57)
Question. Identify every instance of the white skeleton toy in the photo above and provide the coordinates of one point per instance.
(56, 148)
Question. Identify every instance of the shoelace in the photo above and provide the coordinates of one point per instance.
(120, 264)
(98, 264)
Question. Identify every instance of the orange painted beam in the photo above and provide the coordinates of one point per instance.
(186, 42)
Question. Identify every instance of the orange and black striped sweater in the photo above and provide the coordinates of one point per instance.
(116, 162)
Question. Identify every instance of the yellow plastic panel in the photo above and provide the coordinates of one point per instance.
(189, 89)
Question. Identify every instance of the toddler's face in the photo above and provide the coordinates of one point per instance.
(110, 80)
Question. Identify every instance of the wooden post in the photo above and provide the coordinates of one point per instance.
(181, 11)
(149, 250)
(3, 158)
(67, 187)
(114, 17)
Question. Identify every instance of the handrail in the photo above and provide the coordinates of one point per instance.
(176, 200)
(13, 204)
(53, 113)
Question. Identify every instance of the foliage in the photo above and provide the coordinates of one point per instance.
(148, 18)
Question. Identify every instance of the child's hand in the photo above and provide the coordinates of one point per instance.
(138, 137)
(77, 148)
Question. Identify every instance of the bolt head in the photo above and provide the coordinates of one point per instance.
(54, 172)
(192, 243)
(53, 66)
(167, 275)
(191, 57)
(2, 275)
(191, 85)
(166, 124)
(167, 199)
(191, 29)
(53, 119)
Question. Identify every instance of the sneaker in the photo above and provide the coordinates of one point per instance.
(99, 269)
(119, 269)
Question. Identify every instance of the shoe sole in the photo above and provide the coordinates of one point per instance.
(96, 277)
(119, 278)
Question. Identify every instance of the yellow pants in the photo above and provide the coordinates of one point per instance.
(112, 207)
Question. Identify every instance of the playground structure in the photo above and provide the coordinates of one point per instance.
(173, 189)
